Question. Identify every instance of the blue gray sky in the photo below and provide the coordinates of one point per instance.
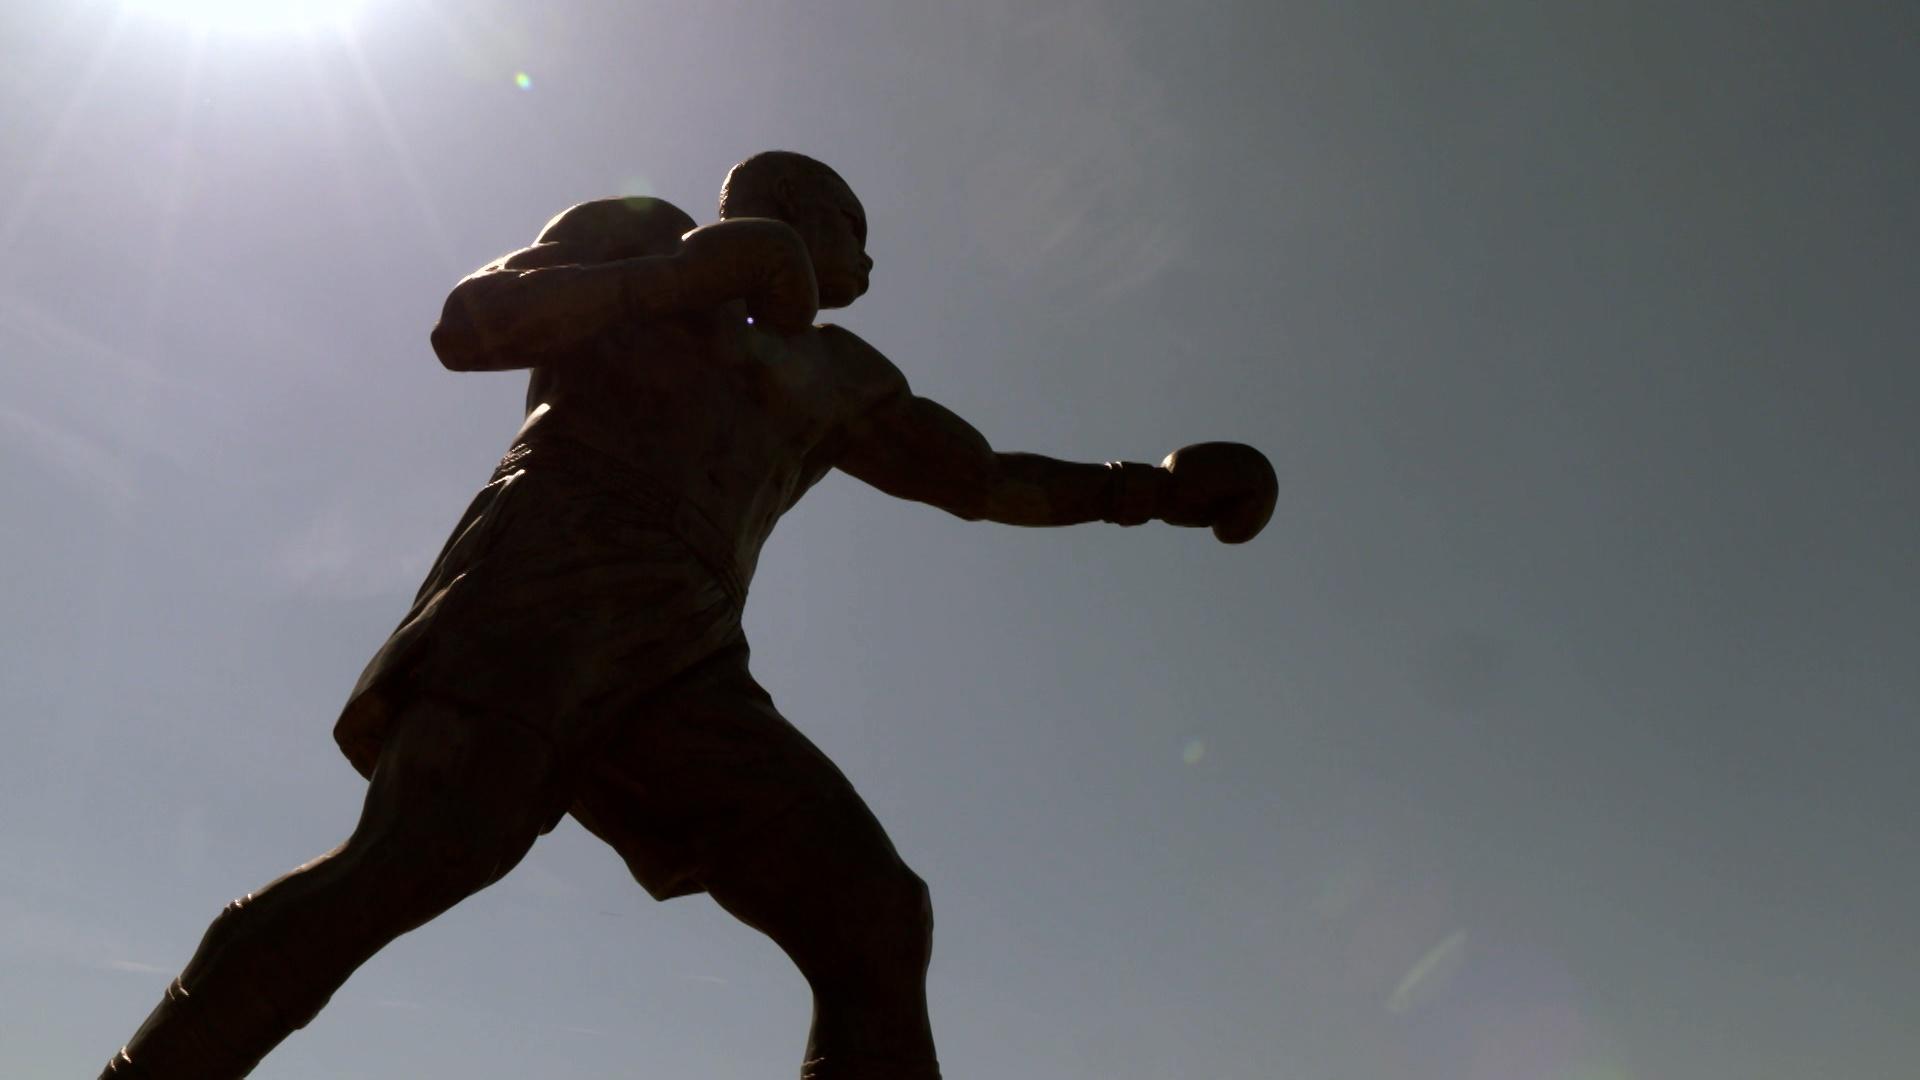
(1560, 727)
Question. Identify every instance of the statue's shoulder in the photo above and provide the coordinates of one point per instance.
(864, 370)
(620, 228)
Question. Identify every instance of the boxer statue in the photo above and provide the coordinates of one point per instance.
(577, 646)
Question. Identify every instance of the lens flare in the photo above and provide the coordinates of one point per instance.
(523, 80)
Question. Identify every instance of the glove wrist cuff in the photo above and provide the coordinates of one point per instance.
(1132, 495)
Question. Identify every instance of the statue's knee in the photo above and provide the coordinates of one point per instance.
(920, 909)
(237, 912)
(902, 916)
(237, 921)
(879, 942)
(244, 968)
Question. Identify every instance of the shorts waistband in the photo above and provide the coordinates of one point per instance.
(707, 541)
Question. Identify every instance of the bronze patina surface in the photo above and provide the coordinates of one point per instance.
(577, 646)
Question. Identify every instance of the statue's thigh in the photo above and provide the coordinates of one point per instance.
(708, 785)
(458, 796)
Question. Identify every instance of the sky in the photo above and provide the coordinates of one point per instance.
(1561, 726)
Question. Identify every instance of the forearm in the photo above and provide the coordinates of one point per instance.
(501, 319)
(1030, 489)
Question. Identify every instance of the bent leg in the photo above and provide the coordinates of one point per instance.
(711, 789)
(826, 885)
(454, 803)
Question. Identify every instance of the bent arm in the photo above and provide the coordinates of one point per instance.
(533, 304)
(604, 262)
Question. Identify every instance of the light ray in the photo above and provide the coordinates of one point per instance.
(142, 418)
(334, 123)
(29, 194)
(416, 185)
(178, 181)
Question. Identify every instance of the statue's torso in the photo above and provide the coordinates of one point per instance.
(734, 420)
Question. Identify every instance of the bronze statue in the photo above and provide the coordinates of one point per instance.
(577, 647)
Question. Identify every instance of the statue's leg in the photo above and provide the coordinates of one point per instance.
(711, 789)
(825, 883)
(454, 803)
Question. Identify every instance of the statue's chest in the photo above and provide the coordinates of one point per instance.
(713, 372)
(783, 388)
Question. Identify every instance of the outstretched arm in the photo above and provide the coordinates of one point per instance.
(616, 259)
(914, 448)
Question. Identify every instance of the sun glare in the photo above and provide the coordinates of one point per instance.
(250, 16)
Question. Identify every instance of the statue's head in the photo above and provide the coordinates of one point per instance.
(812, 198)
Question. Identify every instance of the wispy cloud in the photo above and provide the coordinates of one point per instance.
(35, 930)
(85, 405)
(69, 450)
(1045, 194)
(1427, 978)
(342, 552)
(135, 967)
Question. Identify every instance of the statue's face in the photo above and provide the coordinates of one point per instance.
(833, 225)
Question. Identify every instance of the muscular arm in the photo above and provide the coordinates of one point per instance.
(914, 448)
(610, 260)
(917, 449)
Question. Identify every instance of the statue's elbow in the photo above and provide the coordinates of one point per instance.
(971, 502)
(457, 346)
